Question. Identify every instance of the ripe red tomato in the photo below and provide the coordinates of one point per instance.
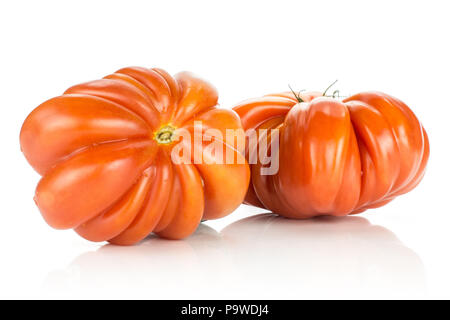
(335, 157)
(104, 151)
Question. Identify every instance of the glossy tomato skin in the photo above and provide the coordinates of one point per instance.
(105, 175)
(335, 157)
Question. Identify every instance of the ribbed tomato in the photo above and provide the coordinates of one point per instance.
(335, 157)
(104, 151)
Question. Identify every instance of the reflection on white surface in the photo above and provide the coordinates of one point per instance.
(324, 257)
(263, 256)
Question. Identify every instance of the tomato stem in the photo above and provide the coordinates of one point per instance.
(165, 134)
(296, 95)
(326, 90)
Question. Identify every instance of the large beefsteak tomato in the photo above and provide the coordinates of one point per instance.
(104, 151)
(335, 157)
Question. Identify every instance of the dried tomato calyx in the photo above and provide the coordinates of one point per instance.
(165, 134)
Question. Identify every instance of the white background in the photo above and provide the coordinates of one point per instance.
(246, 49)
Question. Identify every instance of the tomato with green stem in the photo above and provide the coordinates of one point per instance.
(335, 157)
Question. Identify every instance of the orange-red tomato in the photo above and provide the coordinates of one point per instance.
(104, 151)
(335, 157)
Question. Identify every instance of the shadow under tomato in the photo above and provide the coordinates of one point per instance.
(262, 256)
(154, 268)
(324, 257)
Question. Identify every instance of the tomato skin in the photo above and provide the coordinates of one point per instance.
(105, 175)
(335, 157)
